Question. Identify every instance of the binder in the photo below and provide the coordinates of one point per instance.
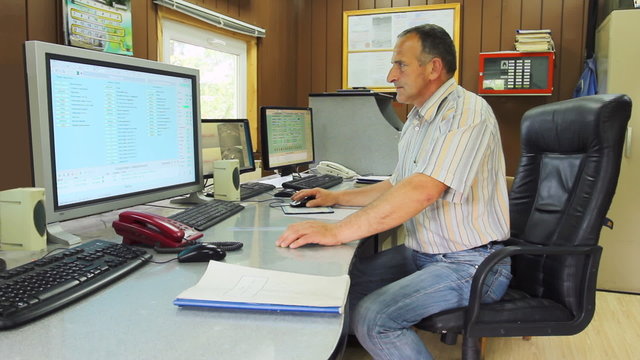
(229, 286)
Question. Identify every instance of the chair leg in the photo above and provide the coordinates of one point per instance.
(471, 348)
(449, 338)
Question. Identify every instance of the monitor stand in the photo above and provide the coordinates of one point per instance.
(193, 198)
(287, 170)
(57, 235)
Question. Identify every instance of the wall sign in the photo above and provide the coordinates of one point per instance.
(516, 73)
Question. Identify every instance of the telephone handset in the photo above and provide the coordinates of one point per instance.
(328, 167)
(154, 230)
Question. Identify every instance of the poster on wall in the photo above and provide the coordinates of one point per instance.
(370, 35)
(103, 25)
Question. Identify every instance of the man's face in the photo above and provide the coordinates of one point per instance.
(409, 77)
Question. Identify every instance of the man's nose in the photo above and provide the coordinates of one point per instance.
(392, 75)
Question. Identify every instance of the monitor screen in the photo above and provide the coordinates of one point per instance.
(226, 139)
(287, 138)
(110, 131)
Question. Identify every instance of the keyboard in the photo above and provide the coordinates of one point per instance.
(249, 190)
(205, 215)
(42, 286)
(312, 181)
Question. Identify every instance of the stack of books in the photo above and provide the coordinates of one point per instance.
(534, 40)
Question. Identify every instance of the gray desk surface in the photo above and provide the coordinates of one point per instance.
(135, 318)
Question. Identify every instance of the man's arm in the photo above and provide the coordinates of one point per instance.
(392, 208)
(353, 197)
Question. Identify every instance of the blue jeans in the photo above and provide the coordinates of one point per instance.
(394, 289)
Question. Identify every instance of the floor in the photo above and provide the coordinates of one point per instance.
(614, 333)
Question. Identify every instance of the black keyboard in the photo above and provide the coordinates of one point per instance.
(205, 215)
(312, 181)
(249, 190)
(42, 286)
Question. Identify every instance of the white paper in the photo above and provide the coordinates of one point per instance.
(247, 285)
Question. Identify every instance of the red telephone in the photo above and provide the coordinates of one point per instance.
(143, 228)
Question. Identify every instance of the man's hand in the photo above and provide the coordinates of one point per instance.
(309, 232)
(322, 197)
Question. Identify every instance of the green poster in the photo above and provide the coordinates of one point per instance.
(103, 25)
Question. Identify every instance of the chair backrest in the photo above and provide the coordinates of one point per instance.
(571, 152)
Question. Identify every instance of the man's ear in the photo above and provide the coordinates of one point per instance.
(437, 68)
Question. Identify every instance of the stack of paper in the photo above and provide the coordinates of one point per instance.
(534, 40)
(240, 287)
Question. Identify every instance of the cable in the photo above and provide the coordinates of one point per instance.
(223, 245)
(227, 245)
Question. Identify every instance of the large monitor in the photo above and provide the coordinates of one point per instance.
(287, 138)
(109, 131)
(226, 139)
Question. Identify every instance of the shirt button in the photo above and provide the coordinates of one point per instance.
(417, 128)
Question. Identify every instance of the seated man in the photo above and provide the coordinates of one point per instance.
(448, 190)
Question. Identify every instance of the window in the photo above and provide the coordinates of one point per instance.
(222, 61)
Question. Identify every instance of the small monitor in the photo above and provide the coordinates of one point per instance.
(109, 131)
(226, 139)
(287, 138)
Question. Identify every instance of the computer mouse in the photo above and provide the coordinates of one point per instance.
(302, 202)
(201, 252)
(285, 193)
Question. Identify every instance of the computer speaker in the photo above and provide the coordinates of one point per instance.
(226, 180)
(23, 222)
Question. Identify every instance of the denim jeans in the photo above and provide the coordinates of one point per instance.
(394, 289)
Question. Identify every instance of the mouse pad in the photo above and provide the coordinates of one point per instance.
(288, 210)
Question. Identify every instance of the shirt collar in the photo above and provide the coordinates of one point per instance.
(426, 111)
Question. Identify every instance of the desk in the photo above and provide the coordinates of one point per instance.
(135, 318)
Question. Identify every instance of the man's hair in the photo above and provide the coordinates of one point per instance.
(436, 42)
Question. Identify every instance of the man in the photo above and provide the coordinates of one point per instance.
(449, 191)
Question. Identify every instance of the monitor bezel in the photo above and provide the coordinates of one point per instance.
(264, 137)
(37, 55)
(247, 132)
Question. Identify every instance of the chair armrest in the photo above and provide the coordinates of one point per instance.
(519, 247)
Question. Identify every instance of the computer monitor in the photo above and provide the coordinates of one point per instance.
(226, 139)
(287, 138)
(109, 131)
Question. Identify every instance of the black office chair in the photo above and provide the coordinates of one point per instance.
(568, 172)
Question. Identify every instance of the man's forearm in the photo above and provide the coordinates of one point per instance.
(392, 208)
(363, 196)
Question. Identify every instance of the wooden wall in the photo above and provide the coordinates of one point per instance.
(22, 20)
(300, 55)
(487, 25)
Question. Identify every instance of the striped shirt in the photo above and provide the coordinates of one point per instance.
(454, 138)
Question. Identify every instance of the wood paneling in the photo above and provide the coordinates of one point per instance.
(301, 54)
(319, 46)
(14, 131)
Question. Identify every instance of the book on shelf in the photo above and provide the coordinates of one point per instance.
(533, 37)
(534, 40)
(533, 31)
(231, 286)
(535, 46)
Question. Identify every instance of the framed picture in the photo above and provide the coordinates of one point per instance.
(102, 25)
(370, 35)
